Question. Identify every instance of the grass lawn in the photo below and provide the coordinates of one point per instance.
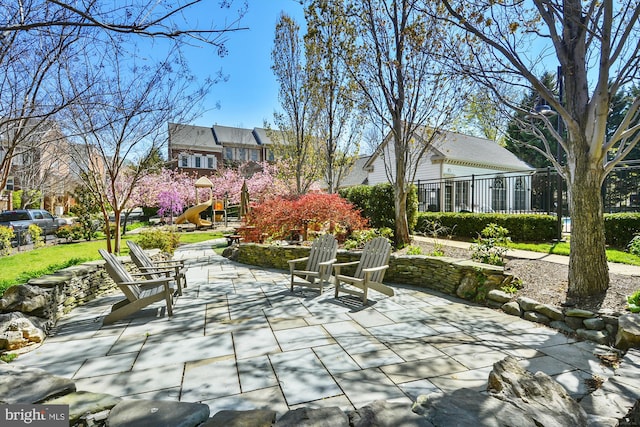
(22, 266)
(613, 255)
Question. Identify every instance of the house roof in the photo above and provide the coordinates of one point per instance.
(358, 174)
(456, 148)
(261, 136)
(192, 137)
(466, 149)
(226, 135)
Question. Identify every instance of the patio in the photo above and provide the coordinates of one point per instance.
(239, 340)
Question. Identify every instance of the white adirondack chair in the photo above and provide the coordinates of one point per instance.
(317, 270)
(370, 270)
(138, 293)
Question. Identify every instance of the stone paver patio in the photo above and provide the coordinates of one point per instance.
(239, 339)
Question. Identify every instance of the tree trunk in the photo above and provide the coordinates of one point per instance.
(588, 269)
(402, 237)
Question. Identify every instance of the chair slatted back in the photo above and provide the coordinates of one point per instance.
(375, 253)
(141, 259)
(323, 249)
(119, 274)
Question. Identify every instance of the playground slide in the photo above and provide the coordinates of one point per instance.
(192, 215)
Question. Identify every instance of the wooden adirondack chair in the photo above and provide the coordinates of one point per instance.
(155, 269)
(373, 263)
(138, 293)
(317, 270)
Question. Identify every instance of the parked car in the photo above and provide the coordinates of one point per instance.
(20, 220)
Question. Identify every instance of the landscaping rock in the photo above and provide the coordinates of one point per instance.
(386, 414)
(512, 308)
(537, 395)
(574, 322)
(628, 335)
(21, 384)
(254, 418)
(499, 296)
(600, 337)
(595, 323)
(18, 330)
(553, 313)
(83, 403)
(27, 299)
(562, 327)
(157, 413)
(577, 312)
(527, 304)
(468, 288)
(469, 408)
(307, 417)
(534, 316)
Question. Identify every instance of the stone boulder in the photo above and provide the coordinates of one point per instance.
(320, 417)
(537, 395)
(18, 330)
(628, 335)
(28, 299)
(21, 384)
(514, 397)
(157, 413)
(386, 414)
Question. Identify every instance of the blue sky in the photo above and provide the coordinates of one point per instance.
(250, 95)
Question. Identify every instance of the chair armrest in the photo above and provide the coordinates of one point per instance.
(151, 271)
(293, 262)
(327, 263)
(369, 271)
(178, 262)
(158, 281)
(338, 266)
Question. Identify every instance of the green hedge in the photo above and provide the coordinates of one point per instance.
(522, 227)
(620, 228)
(376, 204)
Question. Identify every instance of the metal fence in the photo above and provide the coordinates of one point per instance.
(534, 191)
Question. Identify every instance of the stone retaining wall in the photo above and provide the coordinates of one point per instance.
(464, 278)
(471, 281)
(28, 311)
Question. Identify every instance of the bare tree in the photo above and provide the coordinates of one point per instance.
(597, 45)
(294, 142)
(409, 97)
(37, 37)
(121, 123)
(330, 49)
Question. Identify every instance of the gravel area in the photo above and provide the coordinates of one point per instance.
(546, 282)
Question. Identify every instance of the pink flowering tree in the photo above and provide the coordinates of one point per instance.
(170, 191)
(262, 182)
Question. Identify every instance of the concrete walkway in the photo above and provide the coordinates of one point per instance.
(239, 339)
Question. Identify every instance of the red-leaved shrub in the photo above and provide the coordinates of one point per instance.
(277, 217)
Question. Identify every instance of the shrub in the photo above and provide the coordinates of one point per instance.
(359, 238)
(377, 204)
(278, 216)
(166, 239)
(634, 245)
(620, 228)
(35, 234)
(633, 302)
(490, 246)
(526, 227)
(6, 234)
(76, 231)
(414, 250)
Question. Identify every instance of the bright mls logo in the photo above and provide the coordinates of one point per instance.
(34, 415)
